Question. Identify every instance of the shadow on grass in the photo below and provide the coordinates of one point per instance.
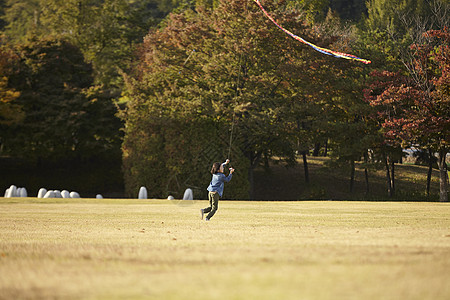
(331, 183)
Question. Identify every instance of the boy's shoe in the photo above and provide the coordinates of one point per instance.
(202, 213)
(206, 219)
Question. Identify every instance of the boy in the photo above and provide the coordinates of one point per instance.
(215, 188)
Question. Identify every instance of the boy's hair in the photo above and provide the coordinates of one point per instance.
(215, 168)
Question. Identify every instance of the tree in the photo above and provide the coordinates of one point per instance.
(64, 117)
(390, 29)
(11, 113)
(229, 68)
(21, 17)
(2, 14)
(415, 107)
(334, 106)
(313, 10)
(390, 148)
(106, 31)
(173, 132)
(385, 15)
(351, 132)
(349, 9)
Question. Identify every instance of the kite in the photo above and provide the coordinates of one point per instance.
(317, 48)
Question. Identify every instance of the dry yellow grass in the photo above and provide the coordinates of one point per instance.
(158, 249)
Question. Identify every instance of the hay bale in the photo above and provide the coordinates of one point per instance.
(65, 194)
(12, 192)
(49, 194)
(188, 195)
(142, 193)
(22, 192)
(41, 193)
(74, 195)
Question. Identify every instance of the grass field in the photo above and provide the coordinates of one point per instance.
(159, 249)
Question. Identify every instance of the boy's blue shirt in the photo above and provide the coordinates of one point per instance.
(217, 182)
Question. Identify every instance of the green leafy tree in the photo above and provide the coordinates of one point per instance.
(64, 118)
(331, 108)
(317, 9)
(174, 130)
(230, 68)
(106, 31)
(2, 14)
(10, 112)
(351, 132)
(21, 17)
(349, 9)
(313, 10)
(396, 16)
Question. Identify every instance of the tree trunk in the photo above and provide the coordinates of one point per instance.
(325, 151)
(316, 149)
(251, 181)
(254, 159)
(305, 167)
(366, 176)
(430, 170)
(366, 173)
(392, 177)
(388, 176)
(36, 19)
(352, 175)
(443, 176)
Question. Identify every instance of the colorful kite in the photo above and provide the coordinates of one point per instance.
(317, 48)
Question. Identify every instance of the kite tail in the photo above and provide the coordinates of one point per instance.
(315, 47)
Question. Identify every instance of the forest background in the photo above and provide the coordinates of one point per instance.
(111, 95)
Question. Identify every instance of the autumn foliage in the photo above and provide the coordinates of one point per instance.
(413, 106)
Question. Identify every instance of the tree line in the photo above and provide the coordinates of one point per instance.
(171, 86)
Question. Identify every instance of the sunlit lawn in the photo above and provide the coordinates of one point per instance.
(158, 249)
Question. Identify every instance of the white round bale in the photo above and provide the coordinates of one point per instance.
(98, 196)
(12, 192)
(41, 193)
(142, 193)
(74, 195)
(49, 194)
(188, 195)
(23, 192)
(65, 194)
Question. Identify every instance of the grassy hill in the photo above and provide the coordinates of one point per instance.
(331, 183)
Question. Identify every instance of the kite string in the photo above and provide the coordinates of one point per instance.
(315, 47)
(231, 136)
(235, 102)
(237, 94)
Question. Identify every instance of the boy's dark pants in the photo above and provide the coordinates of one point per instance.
(214, 204)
